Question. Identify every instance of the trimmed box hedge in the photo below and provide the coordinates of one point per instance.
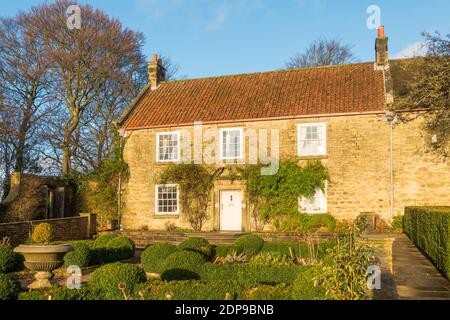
(429, 229)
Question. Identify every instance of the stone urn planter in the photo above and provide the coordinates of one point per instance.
(43, 259)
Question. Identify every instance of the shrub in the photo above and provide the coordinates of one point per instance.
(305, 287)
(9, 287)
(344, 269)
(199, 245)
(271, 259)
(397, 224)
(250, 275)
(120, 248)
(153, 257)
(265, 292)
(43, 233)
(108, 277)
(183, 265)
(102, 241)
(429, 229)
(223, 251)
(9, 260)
(188, 290)
(81, 256)
(250, 244)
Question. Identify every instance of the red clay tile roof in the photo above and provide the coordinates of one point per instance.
(354, 88)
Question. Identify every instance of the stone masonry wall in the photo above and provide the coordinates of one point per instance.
(357, 159)
(75, 228)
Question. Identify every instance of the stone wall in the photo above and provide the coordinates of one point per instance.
(75, 228)
(357, 157)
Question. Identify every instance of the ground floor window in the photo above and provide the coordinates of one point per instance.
(167, 199)
(316, 204)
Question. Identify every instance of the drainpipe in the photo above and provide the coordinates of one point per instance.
(122, 136)
(391, 118)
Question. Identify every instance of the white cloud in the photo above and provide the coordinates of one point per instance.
(417, 49)
(156, 9)
(227, 8)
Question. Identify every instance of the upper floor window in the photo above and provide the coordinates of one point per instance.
(312, 139)
(167, 199)
(316, 204)
(231, 144)
(168, 147)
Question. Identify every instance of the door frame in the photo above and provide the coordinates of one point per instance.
(220, 209)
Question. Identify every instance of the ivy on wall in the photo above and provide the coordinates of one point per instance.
(195, 183)
(275, 198)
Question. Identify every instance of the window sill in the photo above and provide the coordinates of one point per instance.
(313, 157)
(166, 216)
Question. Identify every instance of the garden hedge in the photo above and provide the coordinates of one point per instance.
(305, 286)
(188, 290)
(429, 229)
(250, 275)
(154, 256)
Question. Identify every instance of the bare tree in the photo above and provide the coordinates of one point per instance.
(83, 61)
(25, 83)
(172, 68)
(322, 53)
(429, 90)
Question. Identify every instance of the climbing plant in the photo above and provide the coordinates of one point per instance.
(275, 197)
(97, 191)
(195, 183)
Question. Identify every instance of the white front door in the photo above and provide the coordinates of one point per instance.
(231, 211)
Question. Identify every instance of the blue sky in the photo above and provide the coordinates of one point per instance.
(218, 37)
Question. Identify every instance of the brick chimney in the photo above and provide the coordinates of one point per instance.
(156, 72)
(381, 48)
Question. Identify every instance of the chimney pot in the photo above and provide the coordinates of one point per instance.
(381, 33)
(156, 71)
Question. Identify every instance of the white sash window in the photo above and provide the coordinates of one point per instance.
(312, 139)
(168, 147)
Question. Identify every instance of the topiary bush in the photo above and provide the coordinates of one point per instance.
(102, 241)
(223, 251)
(183, 265)
(9, 260)
(43, 233)
(153, 256)
(199, 245)
(81, 256)
(250, 244)
(9, 287)
(108, 277)
(120, 248)
(305, 287)
(271, 259)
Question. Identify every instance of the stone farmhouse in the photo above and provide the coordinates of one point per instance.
(341, 115)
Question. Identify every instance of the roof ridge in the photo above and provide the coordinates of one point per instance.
(268, 72)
